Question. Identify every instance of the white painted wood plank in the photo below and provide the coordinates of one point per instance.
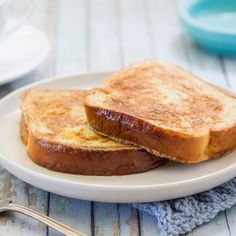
(166, 32)
(50, 23)
(71, 54)
(104, 45)
(206, 66)
(136, 43)
(75, 213)
(38, 18)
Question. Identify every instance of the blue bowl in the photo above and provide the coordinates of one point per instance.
(211, 23)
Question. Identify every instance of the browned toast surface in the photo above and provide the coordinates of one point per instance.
(58, 137)
(165, 110)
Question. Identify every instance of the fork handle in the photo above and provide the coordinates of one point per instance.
(66, 230)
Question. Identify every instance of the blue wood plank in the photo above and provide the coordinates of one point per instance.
(106, 220)
(115, 219)
(20, 192)
(148, 225)
(75, 213)
(128, 220)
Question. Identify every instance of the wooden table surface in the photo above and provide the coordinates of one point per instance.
(98, 35)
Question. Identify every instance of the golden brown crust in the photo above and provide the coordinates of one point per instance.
(221, 142)
(136, 131)
(101, 160)
(87, 162)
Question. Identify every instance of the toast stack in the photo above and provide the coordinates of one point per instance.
(57, 136)
(144, 115)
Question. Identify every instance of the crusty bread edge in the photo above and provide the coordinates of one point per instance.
(221, 142)
(145, 135)
(215, 143)
(152, 151)
(86, 162)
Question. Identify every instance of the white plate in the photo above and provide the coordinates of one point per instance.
(21, 52)
(166, 182)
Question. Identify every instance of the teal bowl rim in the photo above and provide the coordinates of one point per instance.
(186, 17)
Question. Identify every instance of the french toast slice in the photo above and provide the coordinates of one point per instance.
(55, 130)
(166, 110)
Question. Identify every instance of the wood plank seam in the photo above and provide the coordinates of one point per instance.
(222, 63)
(92, 219)
(48, 211)
(227, 222)
(139, 223)
(118, 214)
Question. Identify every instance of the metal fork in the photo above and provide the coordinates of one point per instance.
(66, 230)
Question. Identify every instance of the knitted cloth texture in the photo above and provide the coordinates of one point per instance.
(179, 216)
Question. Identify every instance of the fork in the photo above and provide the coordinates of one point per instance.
(66, 230)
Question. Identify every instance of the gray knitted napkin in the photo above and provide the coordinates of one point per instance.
(182, 215)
